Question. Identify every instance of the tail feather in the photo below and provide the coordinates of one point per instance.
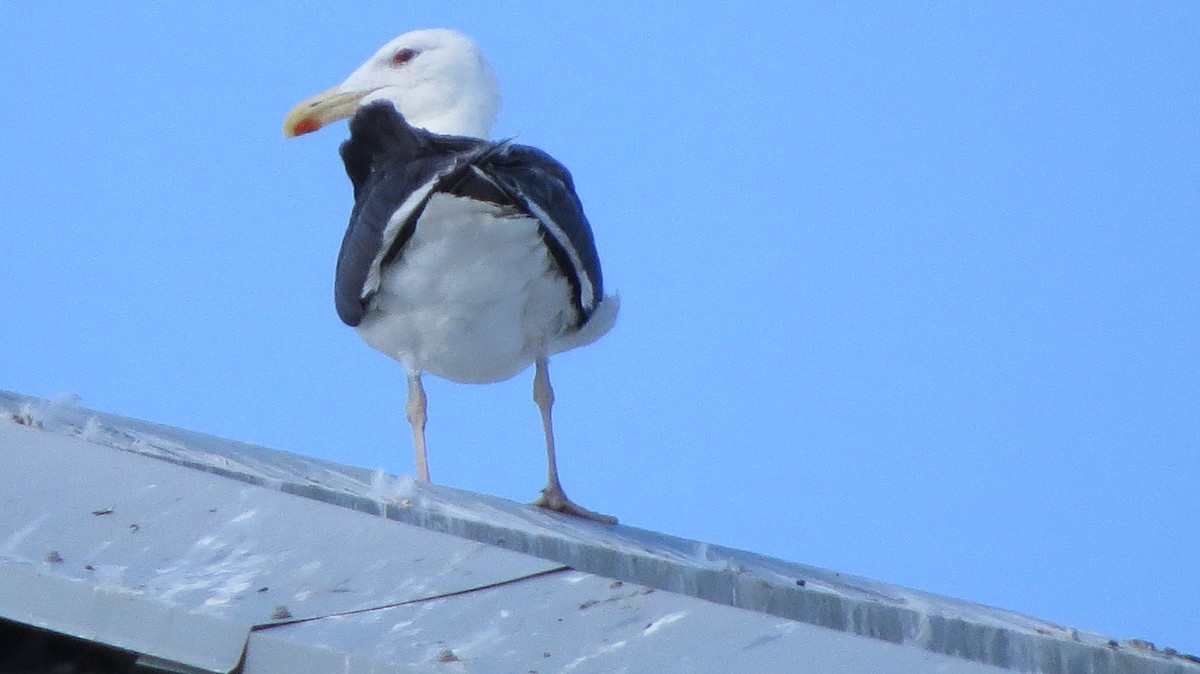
(597, 325)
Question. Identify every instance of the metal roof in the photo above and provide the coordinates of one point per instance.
(205, 554)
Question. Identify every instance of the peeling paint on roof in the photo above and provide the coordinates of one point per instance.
(197, 550)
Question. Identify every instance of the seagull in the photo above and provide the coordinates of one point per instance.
(464, 258)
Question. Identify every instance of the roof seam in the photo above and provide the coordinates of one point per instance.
(478, 588)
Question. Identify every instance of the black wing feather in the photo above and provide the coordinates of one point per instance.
(387, 161)
(533, 176)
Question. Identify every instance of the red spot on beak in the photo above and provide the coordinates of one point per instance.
(306, 125)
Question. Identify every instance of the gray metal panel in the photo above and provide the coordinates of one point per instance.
(813, 596)
(574, 622)
(153, 557)
(118, 617)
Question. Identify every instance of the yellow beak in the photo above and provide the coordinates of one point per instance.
(320, 110)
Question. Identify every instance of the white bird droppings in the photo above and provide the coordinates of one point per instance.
(663, 622)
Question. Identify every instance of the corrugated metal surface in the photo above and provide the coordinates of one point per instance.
(197, 550)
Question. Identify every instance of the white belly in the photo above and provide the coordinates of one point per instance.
(472, 298)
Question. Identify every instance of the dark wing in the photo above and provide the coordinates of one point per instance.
(389, 163)
(395, 168)
(542, 187)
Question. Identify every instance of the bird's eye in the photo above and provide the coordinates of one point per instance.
(403, 56)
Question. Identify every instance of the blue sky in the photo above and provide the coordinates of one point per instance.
(910, 290)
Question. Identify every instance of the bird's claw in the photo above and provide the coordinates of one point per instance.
(554, 498)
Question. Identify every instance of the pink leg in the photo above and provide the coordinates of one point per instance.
(417, 417)
(553, 497)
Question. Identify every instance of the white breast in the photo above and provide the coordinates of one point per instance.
(473, 298)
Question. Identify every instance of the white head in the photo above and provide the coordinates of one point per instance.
(436, 78)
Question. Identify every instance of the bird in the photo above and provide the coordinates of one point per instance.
(464, 258)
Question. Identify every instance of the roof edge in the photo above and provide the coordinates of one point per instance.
(715, 573)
